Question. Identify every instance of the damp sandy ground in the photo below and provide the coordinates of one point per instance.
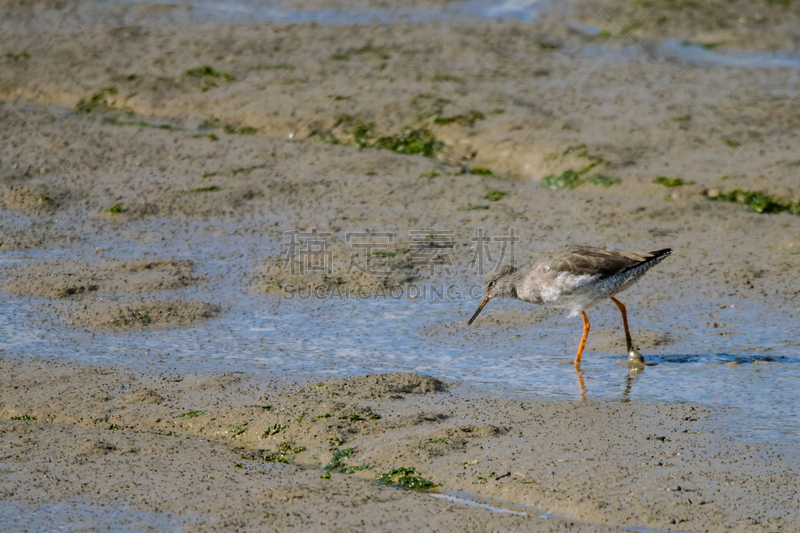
(106, 447)
(142, 217)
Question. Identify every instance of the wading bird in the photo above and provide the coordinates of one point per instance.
(575, 278)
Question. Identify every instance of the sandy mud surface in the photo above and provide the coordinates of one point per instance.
(152, 161)
(227, 451)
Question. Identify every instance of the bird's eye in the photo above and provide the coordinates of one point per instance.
(491, 284)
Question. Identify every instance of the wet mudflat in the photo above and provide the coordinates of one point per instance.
(730, 353)
(154, 156)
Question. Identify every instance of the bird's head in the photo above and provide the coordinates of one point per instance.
(497, 283)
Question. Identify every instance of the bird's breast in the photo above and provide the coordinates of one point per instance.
(552, 287)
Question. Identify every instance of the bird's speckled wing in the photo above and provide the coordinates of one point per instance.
(577, 276)
(595, 262)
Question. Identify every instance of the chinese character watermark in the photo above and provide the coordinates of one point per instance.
(367, 241)
(306, 252)
(431, 249)
(482, 253)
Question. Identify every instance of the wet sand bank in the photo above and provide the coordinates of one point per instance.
(211, 451)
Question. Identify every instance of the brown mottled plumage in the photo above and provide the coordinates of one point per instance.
(576, 278)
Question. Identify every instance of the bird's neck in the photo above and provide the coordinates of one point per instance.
(516, 280)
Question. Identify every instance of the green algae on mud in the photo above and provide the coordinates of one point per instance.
(234, 430)
(670, 182)
(207, 71)
(411, 141)
(290, 447)
(22, 56)
(98, 101)
(601, 180)
(192, 414)
(242, 130)
(481, 171)
(547, 46)
(27, 418)
(494, 196)
(209, 124)
(569, 179)
(274, 429)
(467, 119)
(245, 170)
(215, 123)
(444, 77)
(269, 457)
(338, 465)
(142, 124)
(279, 66)
(408, 141)
(233, 172)
(756, 201)
(362, 133)
(406, 478)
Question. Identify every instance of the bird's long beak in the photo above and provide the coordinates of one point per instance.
(480, 308)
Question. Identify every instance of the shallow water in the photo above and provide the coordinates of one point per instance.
(754, 370)
(677, 51)
(283, 11)
(521, 510)
(82, 515)
(489, 505)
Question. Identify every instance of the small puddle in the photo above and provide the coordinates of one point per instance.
(497, 506)
(83, 515)
(283, 11)
(485, 503)
(677, 51)
(697, 53)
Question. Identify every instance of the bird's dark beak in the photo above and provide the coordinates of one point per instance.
(480, 308)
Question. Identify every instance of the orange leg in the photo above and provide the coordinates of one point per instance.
(582, 385)
(583, 339)
(624, 323)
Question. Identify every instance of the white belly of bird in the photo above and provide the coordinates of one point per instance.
(573, 292)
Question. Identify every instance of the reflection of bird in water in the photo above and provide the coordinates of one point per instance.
(582, 385)
(575, 278)
(633, 371)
